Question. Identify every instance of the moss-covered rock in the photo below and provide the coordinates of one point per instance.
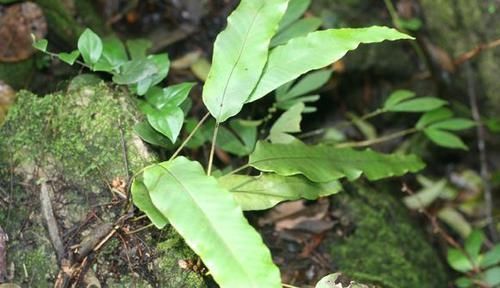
(460, 26)
(77, 140)
(381, 245)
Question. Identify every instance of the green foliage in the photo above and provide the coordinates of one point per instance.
(437, 124)
(90, 45)
(299, 28)
(240, 54)
(267, 190)
(289, 122)
(210, 221)
(290, 94)
(476, 266)
(401, 101)
(314, 51)
(325, 163)
(162, 108)
(69, 58)
(295, 10)
(40, 44)
(207, 212)
(238, 138)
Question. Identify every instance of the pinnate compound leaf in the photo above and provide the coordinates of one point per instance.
(212, 224)
(398, 96)
(69, 58)
(421, 104)
(325, 163)
(434, 116)
(314, 51)
(90, 46)
(267, 190)
(444, 139)
(240, 53)
(455, 124)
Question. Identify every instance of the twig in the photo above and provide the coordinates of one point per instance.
(212, 150)
(3, 255)
(48, 215)
(124, 150)
(464, 57)
(190, 136)
(376, 140)
(481, 147)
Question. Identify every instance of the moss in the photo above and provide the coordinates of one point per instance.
(461, 27)
(170, 252)
(385, 248)
(75, 137)
(77, 134)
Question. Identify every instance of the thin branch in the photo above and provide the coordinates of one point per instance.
(481, 147)
(371, 142)
(184, 143)
(238, 169)
(212, 150)
(464, 57)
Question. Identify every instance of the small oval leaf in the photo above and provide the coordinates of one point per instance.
(90, 46)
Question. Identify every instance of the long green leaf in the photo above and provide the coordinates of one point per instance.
(297, 29)
(295, 9)
(325, 163)
(212, 224)
(265, 191)
(240, 53)
(314, 51)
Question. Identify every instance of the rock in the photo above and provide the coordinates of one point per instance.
(73, 141)
(17, 23)
(461, 26)
(380, 243)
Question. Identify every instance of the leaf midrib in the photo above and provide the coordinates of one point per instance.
(222, 240)
(238, 58)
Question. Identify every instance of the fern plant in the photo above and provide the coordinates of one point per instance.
(246, 66)
(265, 47)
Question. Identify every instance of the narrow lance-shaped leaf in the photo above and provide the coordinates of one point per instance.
(295, 9)
(314, 51)
(212, 224)
(325, 163)
(445, 139)
(267, 190)
(240, 53)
